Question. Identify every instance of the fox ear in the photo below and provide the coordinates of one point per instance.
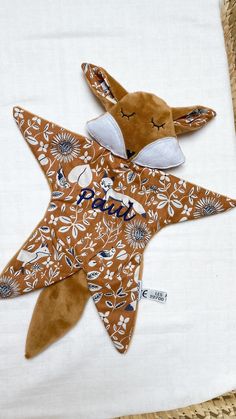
(107, 89)
(191, 118)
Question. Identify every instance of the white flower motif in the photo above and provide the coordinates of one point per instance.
(43, 147)
(53, 220)
(109, 275)
(65, 147)
(153, 172)
(36, 267)
(18, 113)
(207, 206)
(98, 227)
(137, 234)
(9, 287)
(165, 177)
(48, 262)
(36, 119)
(187, 210)
(123, 322)
(130, 266)
(93, 212)
(86, 157)
(104, 316)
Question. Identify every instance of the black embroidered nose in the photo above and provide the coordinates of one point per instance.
(130, 153)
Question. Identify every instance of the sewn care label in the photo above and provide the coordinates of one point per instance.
(151, 294)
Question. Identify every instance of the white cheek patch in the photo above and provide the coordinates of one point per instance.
(160, 154)
(107, 132)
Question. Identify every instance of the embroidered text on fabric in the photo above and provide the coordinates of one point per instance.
(98, 203)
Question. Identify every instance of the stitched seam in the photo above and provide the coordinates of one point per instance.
(158, 167)
(166, 139)
(118, 131)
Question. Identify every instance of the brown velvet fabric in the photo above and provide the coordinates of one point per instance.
(143, 117)
(58, 309)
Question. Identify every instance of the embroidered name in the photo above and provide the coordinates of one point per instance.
(99, 203)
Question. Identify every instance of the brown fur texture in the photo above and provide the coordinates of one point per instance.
(143, 116)
(139, 107)
(58, 309)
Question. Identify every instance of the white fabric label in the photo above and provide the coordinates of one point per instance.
(151, 294)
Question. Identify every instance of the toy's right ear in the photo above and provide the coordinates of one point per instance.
(107, 89)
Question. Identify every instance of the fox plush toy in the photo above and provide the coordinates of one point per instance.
(109, 196)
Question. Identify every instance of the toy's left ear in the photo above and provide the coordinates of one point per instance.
(107, 89)
(191, 118)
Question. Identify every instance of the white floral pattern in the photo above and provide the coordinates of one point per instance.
(97, 238)
(137, 234)
(207, 206)
(9, 287)
(65, 147)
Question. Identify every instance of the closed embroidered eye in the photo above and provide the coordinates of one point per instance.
(123, 114)
(154, 124)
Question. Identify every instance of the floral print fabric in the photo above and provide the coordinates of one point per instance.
(102, 213)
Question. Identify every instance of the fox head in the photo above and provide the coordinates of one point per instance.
(140, 126)
(106, 183)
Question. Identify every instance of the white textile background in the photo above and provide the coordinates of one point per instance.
(182, 352)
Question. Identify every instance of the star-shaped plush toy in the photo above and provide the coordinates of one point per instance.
(108, 199)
